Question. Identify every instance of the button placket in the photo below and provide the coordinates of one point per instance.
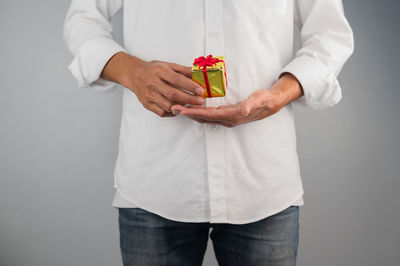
(214, 27)
(214, 44)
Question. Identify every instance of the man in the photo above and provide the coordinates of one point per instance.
(188, 164)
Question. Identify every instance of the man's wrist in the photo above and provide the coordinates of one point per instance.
(120, 67)
(286, 89)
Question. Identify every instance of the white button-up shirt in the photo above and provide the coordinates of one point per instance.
(192, 172)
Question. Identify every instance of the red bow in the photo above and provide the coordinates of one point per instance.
(203, 63)
(206, 61)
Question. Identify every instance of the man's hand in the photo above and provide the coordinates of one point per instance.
(158, 85)
(260, 104)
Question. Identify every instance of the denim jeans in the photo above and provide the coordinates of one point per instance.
(147, 239)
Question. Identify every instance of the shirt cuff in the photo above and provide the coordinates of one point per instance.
(321, 87)
(90, 60)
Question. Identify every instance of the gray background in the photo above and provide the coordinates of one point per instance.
(58, 145)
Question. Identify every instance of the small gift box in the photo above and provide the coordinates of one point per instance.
(210, 73)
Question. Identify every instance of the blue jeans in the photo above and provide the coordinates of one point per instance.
(147, 239)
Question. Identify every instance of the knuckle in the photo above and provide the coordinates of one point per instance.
(151, 93)
(146, 105)
(168, 107)
(270, 105)
(150, 82)
(159, 68)
(172, 94)
(162, 113)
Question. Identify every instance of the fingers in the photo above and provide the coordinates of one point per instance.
(155, 108)
(196, 107)
(202, 121)
(159, 85)
(176, 109)
(211, 113)
(158, 104)
(181, 81)
(176, 95)
(181, 107)
(224, 106)
(161, 101)
(184, 70)
(202, 112)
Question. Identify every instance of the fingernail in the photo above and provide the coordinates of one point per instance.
(200, 101)
(199, 91)
(175, 112)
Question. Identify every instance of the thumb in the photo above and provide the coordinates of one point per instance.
(245, 108)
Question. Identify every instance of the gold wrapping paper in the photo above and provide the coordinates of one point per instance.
(216, 75)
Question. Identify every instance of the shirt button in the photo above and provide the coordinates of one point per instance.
(214, 126)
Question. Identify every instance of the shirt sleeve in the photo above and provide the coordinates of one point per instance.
(326, 44)
(87, 33)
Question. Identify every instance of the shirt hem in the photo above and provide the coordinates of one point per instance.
(245, 221)
(155, 212)
(270, 213)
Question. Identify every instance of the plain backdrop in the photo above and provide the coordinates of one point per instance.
(58, 145)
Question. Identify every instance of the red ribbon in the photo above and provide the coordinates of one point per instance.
(203, 63)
